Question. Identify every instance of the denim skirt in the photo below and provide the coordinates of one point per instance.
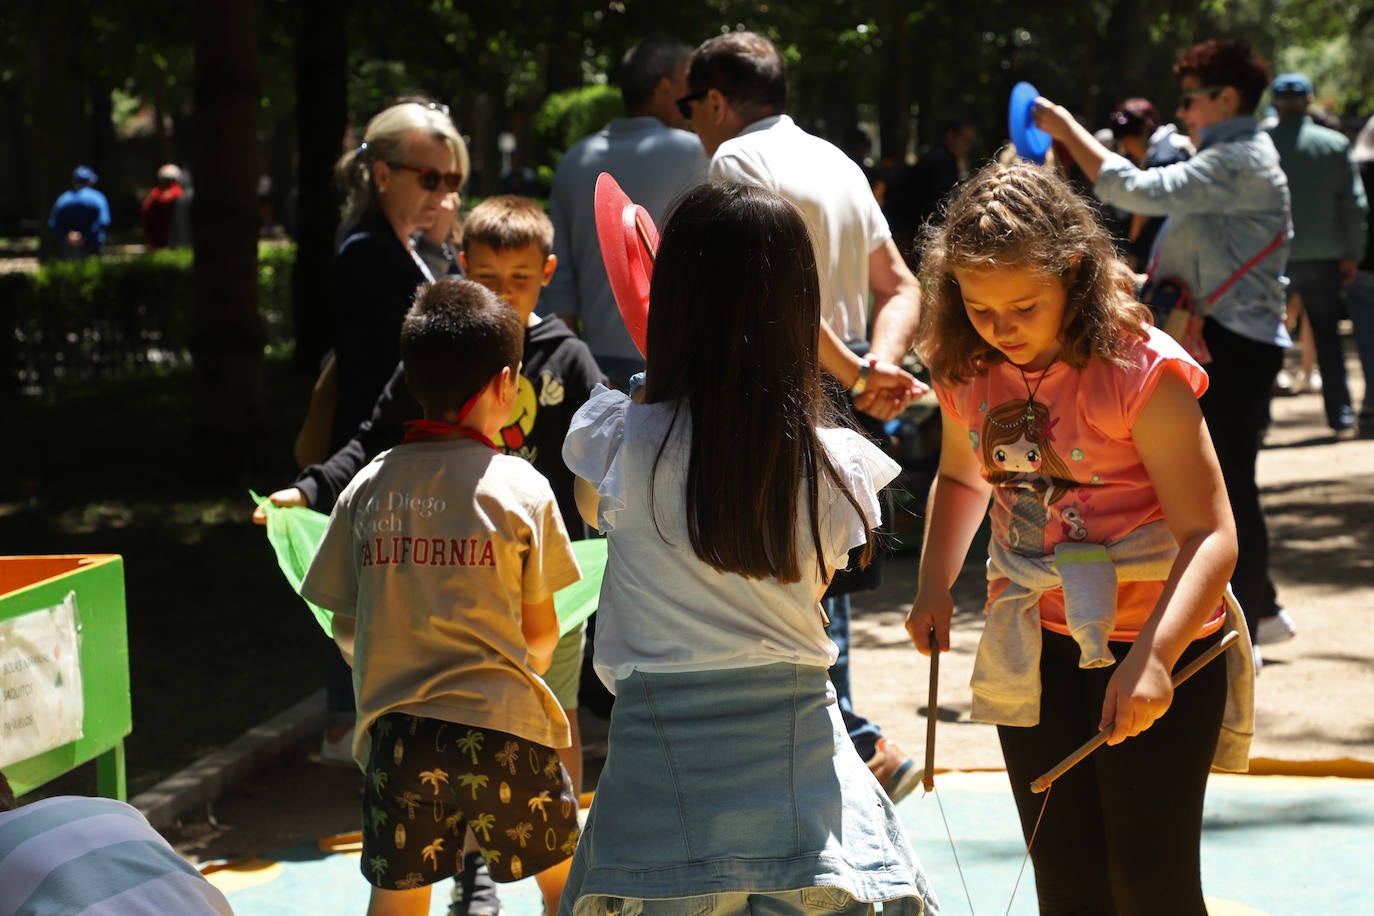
(739, 780)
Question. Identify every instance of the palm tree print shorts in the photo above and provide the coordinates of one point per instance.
(427, 780)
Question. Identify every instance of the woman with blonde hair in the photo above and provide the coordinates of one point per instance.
(396, 182)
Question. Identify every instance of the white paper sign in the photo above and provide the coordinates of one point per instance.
(41, 705)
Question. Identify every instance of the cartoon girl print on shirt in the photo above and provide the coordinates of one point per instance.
(1018, 453)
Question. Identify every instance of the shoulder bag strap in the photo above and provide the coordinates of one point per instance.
(1245, 268)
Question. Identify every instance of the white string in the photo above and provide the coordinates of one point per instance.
(950, 835)
(1026, 857)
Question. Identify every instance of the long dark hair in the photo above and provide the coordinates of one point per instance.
(734, 319)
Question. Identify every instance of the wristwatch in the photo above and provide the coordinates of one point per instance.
(861, 382)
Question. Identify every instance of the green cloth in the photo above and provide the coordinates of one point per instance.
(578, 601)
(295, 532)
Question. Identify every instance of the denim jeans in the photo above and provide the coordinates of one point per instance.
(862, 732)
(737, 780)
(1319, 283)
(808, 901)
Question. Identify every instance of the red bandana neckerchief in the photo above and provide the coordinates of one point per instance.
(426, 430)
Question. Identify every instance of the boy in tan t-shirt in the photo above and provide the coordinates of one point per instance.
(440, 562)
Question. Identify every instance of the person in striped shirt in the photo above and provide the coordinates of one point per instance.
(73, 854)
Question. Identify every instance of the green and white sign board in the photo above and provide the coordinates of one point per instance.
(64, 669)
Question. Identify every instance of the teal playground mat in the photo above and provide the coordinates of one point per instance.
(1275, 845)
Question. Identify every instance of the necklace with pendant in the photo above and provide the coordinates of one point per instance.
(1028, 421)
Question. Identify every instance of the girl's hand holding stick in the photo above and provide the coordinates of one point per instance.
(1042, 783)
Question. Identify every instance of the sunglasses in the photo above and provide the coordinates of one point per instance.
(430, 178)
(684, 104)
(1190, 95)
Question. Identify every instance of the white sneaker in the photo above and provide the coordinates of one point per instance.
(1276, 629)
(1256, 657)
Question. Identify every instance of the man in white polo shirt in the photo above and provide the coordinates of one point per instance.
(737, 94)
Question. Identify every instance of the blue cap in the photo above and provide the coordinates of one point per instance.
(1289, 84)
(85, 173)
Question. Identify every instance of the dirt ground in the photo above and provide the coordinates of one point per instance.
(1315, 695)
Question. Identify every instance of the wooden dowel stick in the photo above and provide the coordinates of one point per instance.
(644, 238)
(1096, 741)
(932, 713)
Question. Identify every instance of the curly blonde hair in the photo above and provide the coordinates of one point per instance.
(1021, 216)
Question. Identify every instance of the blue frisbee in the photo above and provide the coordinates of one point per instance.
(1031, 142)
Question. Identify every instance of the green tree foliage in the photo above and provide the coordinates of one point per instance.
(541, 71)
(568, 116)
(60, 62)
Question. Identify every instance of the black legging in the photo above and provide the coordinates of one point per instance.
(1121, 831)
(1236, 407)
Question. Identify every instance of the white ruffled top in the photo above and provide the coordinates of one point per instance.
(662, 608)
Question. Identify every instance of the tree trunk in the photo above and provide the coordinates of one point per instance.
(321, 118)
(227, 336)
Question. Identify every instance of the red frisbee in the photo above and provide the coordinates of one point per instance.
(628, 240)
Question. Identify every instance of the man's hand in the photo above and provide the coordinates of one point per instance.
(291, 496)
(888, 390)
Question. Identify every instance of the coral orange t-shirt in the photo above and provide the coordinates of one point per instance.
(1065, 466)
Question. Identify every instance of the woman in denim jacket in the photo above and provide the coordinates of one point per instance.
(1224, 206)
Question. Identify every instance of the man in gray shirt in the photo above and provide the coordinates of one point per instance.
(653, 160)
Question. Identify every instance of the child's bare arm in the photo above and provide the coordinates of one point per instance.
(1177, 452)
(958, 501)
(539, 623)
(587, 500)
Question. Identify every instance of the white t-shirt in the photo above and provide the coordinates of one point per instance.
(433, 547)
(833, 195)
(662, 608)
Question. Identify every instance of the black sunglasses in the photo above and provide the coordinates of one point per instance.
(684, 104)
(430, 178)
(1190, 95)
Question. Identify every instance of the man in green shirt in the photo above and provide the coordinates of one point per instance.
(1329, 211)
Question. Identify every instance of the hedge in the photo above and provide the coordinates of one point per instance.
(101, 317)
(568, 116)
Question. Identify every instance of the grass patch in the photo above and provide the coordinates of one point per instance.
(217, 640)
